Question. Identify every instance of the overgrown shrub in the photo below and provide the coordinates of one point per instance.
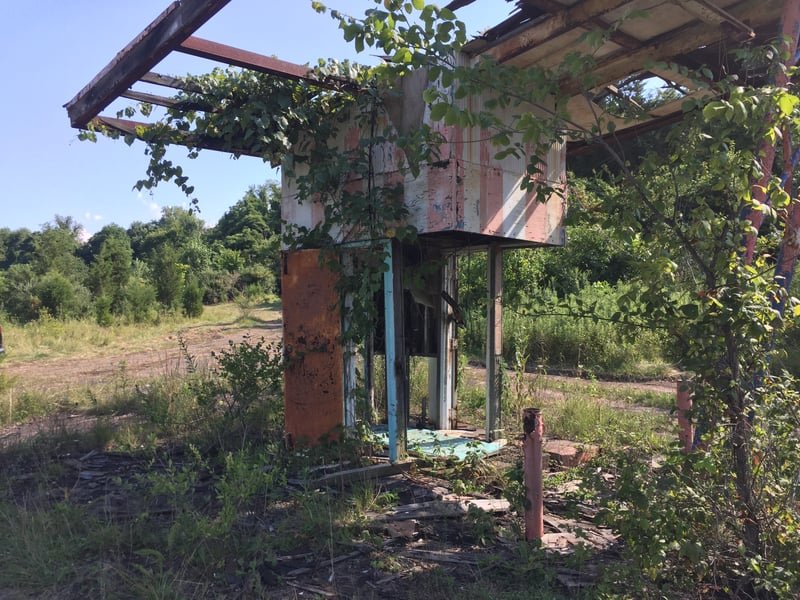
(679, 519)
(258, 275)
(580, 333)
(219, 286)
(141, 301)
(242, 399)
(60, 296)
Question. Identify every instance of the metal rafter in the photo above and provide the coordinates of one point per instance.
(258, 62)
(138, 128)
(518, 40)
(174, 25)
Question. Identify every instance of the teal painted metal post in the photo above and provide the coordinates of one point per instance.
(389, 328)
(433, 392)
(396, 371)
(448, 350)
(350, 372)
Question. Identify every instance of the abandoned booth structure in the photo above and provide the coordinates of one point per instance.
(466, 200)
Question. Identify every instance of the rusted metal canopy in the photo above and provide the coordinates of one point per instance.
(644, 34)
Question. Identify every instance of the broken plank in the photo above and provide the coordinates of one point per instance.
(440, 556)
(437, 509)
(352, 475)
(313, 589)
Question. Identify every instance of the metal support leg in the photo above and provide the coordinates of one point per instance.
(396, 371)
(494, 343)
(350, 381)
(448, 351)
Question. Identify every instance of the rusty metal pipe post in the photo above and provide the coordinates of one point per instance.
(532, 466)
(684, 402)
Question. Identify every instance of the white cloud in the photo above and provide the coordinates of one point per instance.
(153, 207)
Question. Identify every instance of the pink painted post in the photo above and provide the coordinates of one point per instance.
(684, 402)
(789, 31)
(532, 466)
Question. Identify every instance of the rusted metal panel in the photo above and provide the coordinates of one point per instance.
(313, 377)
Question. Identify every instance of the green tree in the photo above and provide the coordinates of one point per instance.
(56, 247)
(249, 232)
(177, 227)
(16, 247)
(167, 274)
(138, 233)
(89, 251)
(141, 304)
(192, 298)
(60, 297)
(19, 297)
(111, 270)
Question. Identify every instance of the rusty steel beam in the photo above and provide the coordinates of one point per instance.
(171, 27)
(548, 6)
(123, 126)
(258, 62)
(162, 101)
(136, 128)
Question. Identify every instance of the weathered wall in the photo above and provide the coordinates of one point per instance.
(467, 190)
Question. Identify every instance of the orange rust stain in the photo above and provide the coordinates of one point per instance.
(313, 377)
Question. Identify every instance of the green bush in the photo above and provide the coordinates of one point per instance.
(102, 311)
(258, 275)
(61, 297)
(141, 301)
(679, 519)
(242, 399)
(219, 286)
(579, 333)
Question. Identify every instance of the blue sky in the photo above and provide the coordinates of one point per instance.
(50, 49)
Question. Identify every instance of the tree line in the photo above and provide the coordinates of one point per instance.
(174, 264)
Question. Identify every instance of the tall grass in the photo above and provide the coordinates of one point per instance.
(54, 338)
(578, 410)
(578, 333)
(24, 399)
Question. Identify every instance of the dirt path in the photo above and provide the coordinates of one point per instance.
(164, 358)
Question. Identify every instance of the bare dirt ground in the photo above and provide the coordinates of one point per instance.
(58, 377)
(165, 357)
